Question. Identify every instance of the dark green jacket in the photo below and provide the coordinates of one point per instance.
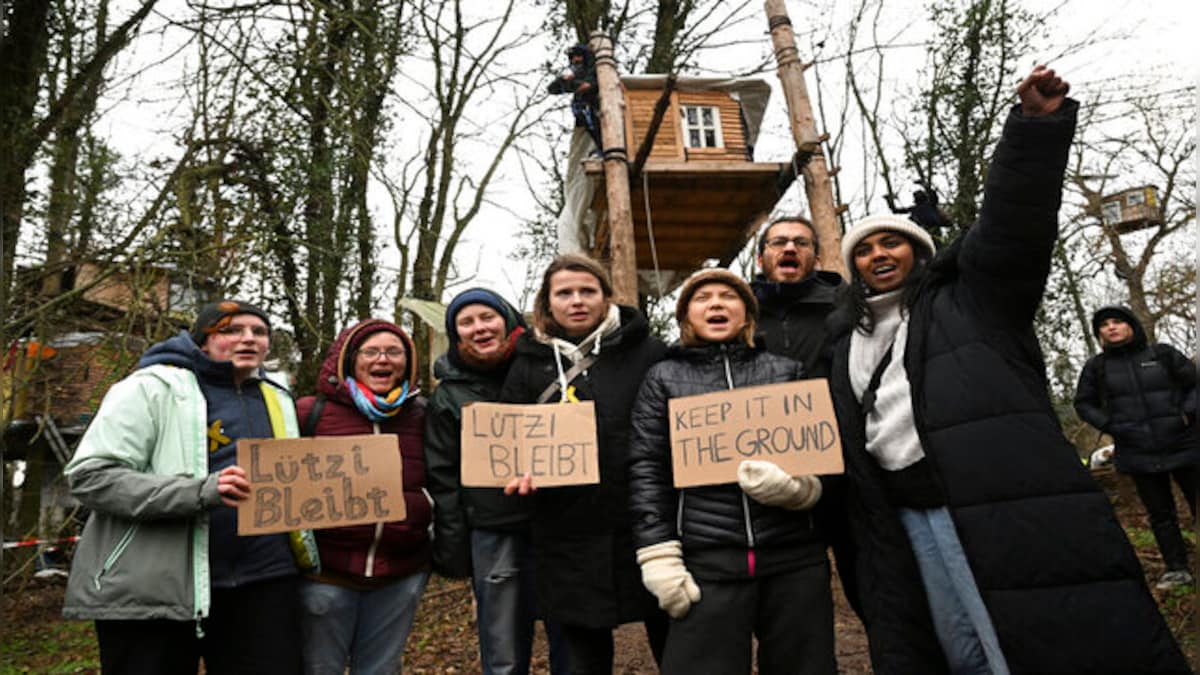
(458, 510)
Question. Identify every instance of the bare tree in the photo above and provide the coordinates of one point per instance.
(468, 58)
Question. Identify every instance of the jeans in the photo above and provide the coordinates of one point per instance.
(964, 628)
(1154, 489)
(366, 628)
(506, 602)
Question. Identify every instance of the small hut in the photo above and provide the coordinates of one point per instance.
(1132, 210)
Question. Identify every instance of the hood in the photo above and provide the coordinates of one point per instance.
(183, 352)
(821, 287)
(1125, 314)
(332, 378)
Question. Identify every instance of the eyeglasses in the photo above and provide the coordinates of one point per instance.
(798, 242)
(235, 329)
(371, 354)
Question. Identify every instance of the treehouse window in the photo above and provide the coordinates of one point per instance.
(701, 127)
(1135, 198)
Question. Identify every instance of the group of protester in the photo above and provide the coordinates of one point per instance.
(968, 536)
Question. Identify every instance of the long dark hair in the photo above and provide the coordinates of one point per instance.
(928, 270)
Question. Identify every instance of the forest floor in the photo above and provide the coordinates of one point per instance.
(34, 638)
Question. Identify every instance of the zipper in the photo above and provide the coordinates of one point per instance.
(679, 515)
(745, 501)
(370, 570)
(370, 567)
(117, 551)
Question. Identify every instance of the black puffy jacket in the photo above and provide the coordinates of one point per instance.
(461, 509)
(587, 574)
(1144, 396)
(1055, 570)
(717, 524)
(791, 318)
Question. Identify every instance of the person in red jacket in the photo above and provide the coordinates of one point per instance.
(359, 609)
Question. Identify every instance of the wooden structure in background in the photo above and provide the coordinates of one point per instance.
(818, 184)
(1132, 210)
(706, 196)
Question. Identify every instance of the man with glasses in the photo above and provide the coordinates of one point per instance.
(793, 296)
(160, 567)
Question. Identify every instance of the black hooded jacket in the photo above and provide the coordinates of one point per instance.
(791, 317)
(462, 509)
(587, 574)
(717, 524)
(1054, 569)
(1144, 396)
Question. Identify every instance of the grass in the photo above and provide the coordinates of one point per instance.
(41, 647)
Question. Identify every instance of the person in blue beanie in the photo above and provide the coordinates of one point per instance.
(479, 533)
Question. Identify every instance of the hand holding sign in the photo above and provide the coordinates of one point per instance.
(232, 485)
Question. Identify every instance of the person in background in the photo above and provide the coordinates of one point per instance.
(732, 562)
(1144, 396)
(359, 609)
(794, 297)
(983, 544)
(160, 566)
(579, 80)
(480, 533)
(585, 347)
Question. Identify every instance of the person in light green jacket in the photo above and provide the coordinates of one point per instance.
(160, 567)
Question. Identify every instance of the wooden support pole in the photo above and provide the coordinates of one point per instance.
(817, 184)
(616, 172)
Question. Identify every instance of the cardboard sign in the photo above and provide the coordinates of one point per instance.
(553, 442)
(791, 424)
(329, 481)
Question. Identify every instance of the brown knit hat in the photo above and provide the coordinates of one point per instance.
(715, 275)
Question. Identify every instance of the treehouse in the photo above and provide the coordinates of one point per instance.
(1132, 210)
(697, 195)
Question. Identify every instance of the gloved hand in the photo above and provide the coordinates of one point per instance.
(665, 576)
(768, 484)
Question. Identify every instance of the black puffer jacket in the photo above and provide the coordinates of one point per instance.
(1055, 571)
(1144, 396)
(587, 574)
(461, 509)
(717, 524)
(791, 318)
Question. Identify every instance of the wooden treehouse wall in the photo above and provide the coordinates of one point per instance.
(668, 143)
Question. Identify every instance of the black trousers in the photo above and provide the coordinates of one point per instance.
(590, 650)
(791, 614)
(1154, 489)
(250, 629)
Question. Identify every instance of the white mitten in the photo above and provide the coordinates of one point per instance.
(665, 576)
(768, 484)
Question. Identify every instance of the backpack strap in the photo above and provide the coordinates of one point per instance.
(868, 397)
(584, 363)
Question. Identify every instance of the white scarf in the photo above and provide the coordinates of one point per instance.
(576, 352)
(890, 427)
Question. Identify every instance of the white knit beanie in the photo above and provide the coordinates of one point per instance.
(878, 223)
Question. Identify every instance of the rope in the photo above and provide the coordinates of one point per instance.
(650, 231)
